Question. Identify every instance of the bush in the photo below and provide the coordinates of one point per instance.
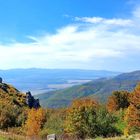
(10, 116)
(55, 120)
(85, 118)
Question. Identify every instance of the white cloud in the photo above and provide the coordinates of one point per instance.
(92, 43)
(90, 19)
(114, 21)
(136, 12)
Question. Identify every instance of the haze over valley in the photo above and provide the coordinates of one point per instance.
(43, 80)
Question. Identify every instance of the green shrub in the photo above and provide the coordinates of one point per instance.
(85, 118)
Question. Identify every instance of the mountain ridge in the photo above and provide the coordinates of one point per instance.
(99, 89)
(34, 79)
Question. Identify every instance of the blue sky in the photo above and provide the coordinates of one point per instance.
(83, 34)
(20, 18)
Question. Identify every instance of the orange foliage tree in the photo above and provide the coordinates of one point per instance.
(133, 111)
(35, 121)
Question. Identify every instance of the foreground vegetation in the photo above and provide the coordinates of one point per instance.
(2, 138)
(131, 137)
(84, 119)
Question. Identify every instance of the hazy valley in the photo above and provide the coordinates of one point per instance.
(43, 80)
(99, 89)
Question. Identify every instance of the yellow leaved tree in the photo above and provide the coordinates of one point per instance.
(35, 121)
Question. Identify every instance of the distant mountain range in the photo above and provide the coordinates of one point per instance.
(99, 89)
(43, 80)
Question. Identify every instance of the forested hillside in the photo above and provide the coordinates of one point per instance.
(12, 106)
(84, 118)
(99, 89)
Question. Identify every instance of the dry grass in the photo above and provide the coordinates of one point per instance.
(131, 137)
(9, 136)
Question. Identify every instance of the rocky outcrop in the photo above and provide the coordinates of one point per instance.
(0, 80)
(31, 102)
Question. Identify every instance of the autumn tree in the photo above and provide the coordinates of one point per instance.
(133, 111)
(118, 100)
(79, 116)
(35, 121)
(86, 118)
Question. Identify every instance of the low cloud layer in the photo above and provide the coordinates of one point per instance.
(88, 43)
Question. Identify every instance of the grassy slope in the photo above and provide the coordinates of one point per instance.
(3, 138)
(100, 89)
(10, 95)
(131, 137)
(13, 137)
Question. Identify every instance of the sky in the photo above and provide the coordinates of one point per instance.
(70, 34)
